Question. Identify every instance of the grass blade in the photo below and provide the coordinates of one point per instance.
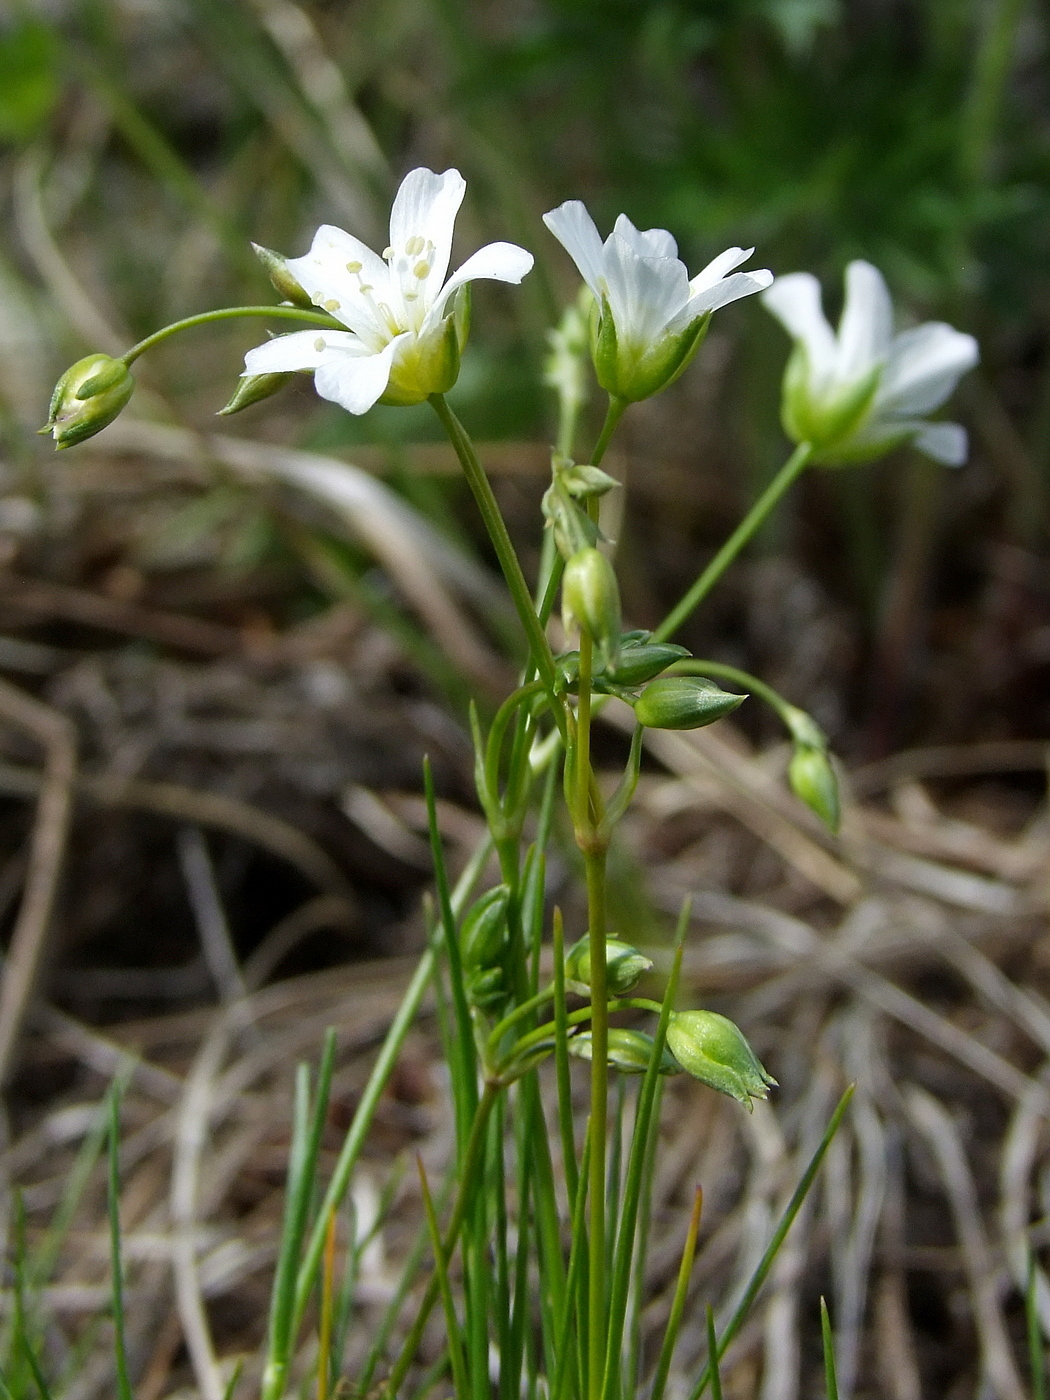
(674, 1321)
(766, 1262)
(457, 1361)
(1036, 1351)
(830, 1381)
(116, 1266)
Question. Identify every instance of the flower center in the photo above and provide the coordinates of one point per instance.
(410, 267)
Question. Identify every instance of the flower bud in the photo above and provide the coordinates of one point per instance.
(253, 388)
(630, 1052)
(485, 988)
(482, 931)
(644, 661)
(282, 281)
(623, 966)
(582, 480)
(813, 782)
(87, 398)
(712, 1049)
(683, 702)
(591, 601)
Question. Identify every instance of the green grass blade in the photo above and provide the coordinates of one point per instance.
(643, 1126)
(456, 1358)
(576, 1289)
(712, 1348)
(116, 1265)
(766, 1262)
(681, 1291)
(831, 1384)
(561, 1060)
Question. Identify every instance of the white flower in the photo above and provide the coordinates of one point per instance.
(652, 317)
(405, 326)
(862, 392)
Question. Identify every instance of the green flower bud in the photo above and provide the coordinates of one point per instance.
(253, 388)
(282, 281)
(813, 782)
(582, 480)
(87, 398)
(485, 988)
(683, 702)
(623, 966)
(482, 931)
(642, 662)
(591, 601)
(712, 1049)
(630, 1052)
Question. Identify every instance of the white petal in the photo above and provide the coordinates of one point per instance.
(300, 350)
(795, 301)
(647, 243)
(574, 229)
(740, 284)
(356, 380)
(944, 442)
(426, 206)
(645, 294)
(497, 262)
(717, 268)
(866, 327)
(324, 275)
(924, 366)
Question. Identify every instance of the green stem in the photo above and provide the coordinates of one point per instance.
(594, 860)
(991, 67)
(612, 418)
(539, 647)
(230, 313)
(748, 527)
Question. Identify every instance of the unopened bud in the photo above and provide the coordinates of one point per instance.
(253, 388)
(684, 702)
(631, 1052)
(813, 782)
(591, 601)
(712, 1049)
(87, 398)
(485, 988)
(644, 661)
(623, 966)
(482, 930)
(284, 284)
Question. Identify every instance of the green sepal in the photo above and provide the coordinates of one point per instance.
(254, 388)
(87, 398)
(624, 965)
(282, 281)
(629, 1051)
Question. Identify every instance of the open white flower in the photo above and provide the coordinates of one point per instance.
(405, 325)
(652, 318)
(857, 394)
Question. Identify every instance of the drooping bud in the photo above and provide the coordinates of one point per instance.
(591, 601)
(629, 1051)
(813, 782)
(644, 661)
(712, 1049)
(684, 702)
(623, 966)
(87, 398)
(282, 281)
(254, 388)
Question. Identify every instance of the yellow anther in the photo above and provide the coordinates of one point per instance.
(319, 344)
(354, 267)
(331, 304)
(421, 269)
(414, 246)
(388, 253)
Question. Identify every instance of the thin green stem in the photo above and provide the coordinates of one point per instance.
(674, 1321)
(745, 531)
(479, 484)
(612, 418)
(594, 861)
(231, 313)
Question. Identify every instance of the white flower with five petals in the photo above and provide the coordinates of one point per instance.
(405, 325)
(652, 317)
(858, 394)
